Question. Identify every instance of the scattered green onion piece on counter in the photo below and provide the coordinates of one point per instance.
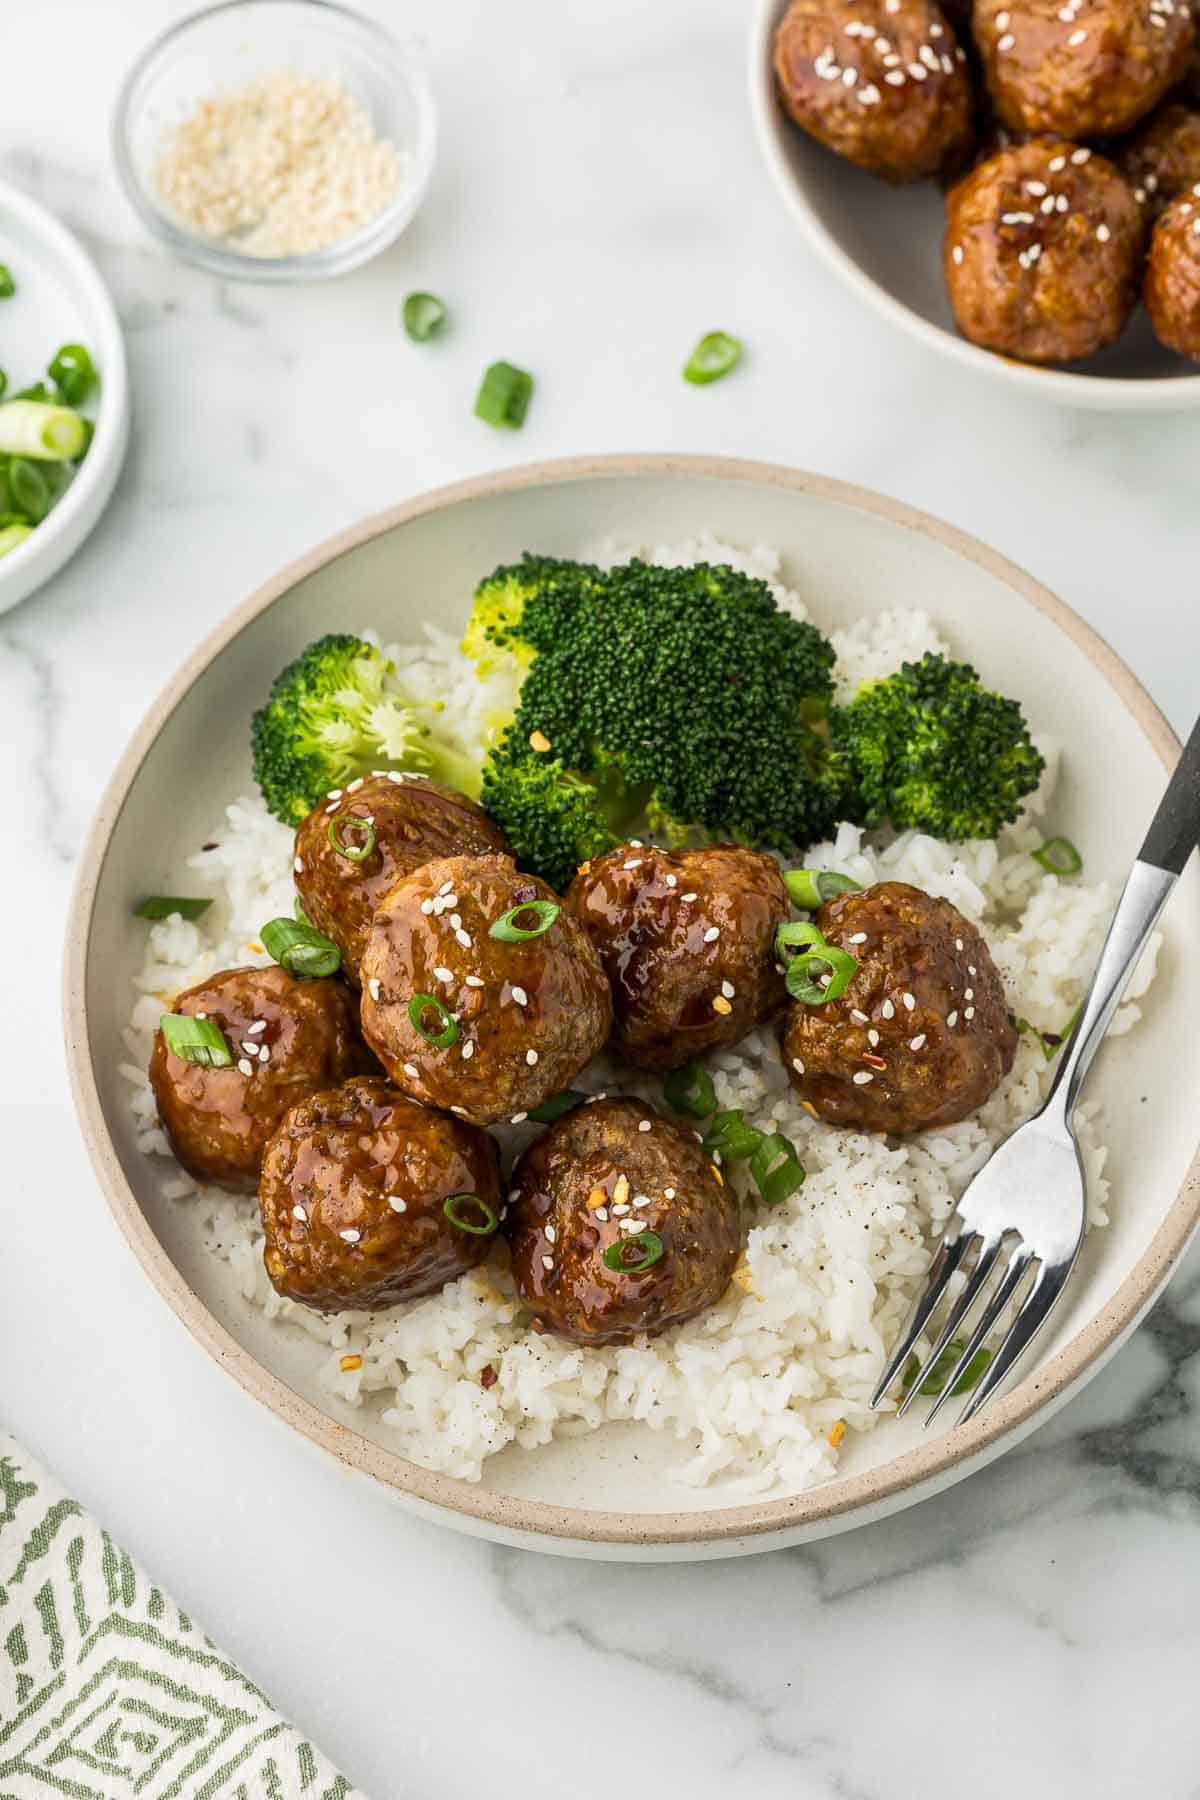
(355, 853)
(691, 1090)
(424, 316)
(731, 1138)
(300, 948)
(196, 1041)
(73, 373)
(447, 1032)
(1059, 856)
(8, 286)
(777, 1170)
(30, 426)
(504, 395)
(12, 535)
(714, 356)
(28, 489)
(649, 1246)
(451, 1208)
(509, 931)
(810, 888)
(938, 1376)
(163, 906)
(556, 1106)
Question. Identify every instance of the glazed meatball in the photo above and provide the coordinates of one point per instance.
(1081, 68)
(519, 1015)
(368, 1199)
(614, 1177)
(411, 820)
(921, 1035)
(1163, 158)
(1042, 252)
(687, 940)
(287, 1038)
(882, 82)
(1172, 287)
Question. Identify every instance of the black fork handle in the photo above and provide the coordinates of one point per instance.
(1175, 829)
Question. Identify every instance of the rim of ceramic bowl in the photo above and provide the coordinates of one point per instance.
(92, 486)
(1011, 1414)
(335, 259)
(1151, 393)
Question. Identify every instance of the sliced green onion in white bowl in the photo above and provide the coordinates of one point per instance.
(34, 428)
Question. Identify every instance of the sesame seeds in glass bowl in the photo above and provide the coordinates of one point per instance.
(275, 140)
(885, 244)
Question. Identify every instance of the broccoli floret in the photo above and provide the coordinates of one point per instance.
(493, 635)
(930, 747)
(339, 711)
(685, 696)
(554, 820)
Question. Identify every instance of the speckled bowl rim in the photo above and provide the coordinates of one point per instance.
(824, 1508)
(1099, 393)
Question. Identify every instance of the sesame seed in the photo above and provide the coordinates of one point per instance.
(1006, 42)
(969, 994)
(958, 943)
(668, 1193)
(888, 1010)
(1016, 218)
(969, 1012)
(464, 938)
(444, 974)
(352, 787)
(635, 843)
(412, 1071)
(468, 1050)
(690, 896)
(1001, 21)
(728, 989)
(551, 1234)
(872, 1038)
(1081, 156)
(350, 1236)
(517, 1118)
(671, 880)
(245, 1066)
(849, 77)
(298, 1212)
(258, 1026)
(917, 71)
(971, 970)
(917, 1043)
(645, 1124)
(620, 1209)
(908, 1000)
(1073, 42)
(798, 1065)
(397, 1204)
(475, 981)
(861, 1077)
(952, 1019)
(929, 57)
(712, 934)
(520, 996)
(264, 1054)
(374, 988)
(869, 95)
(857, 937)
(298, 865)
(1037, 189)
(547, 1262)
(334, 794)
(635, 862)
(455, 918)
(1048, 204)
(895, 78)
(427, 907)
(602, 1214)
(531, 1057)
(1062, 203)
(883, 45)
(250, 1049)
(630, 1225)
(1056, 163)
(860, 1018)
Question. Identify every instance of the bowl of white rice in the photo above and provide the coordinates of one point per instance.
(748, 1427)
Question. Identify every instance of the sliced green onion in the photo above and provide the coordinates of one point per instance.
(731, 1138)
(12, 535)
(30, 427)
(798, 934)
(556, 1106)
(504, 395)
(3, 382)
(777, 1170)
(452, 1209)
(196, 1041)
(41, 391)
(810, 888)
(355, 853)
(89, 432)
(8, 286)
(690, 1090)
(28, 488)
(938, 1376)
(162, 906)
(510, 932)
(73, 373)
(447, 1031)
(424, 316)
(300, 948)
(1059, 856)
(299, 911)
(647, 1245)
(714, 356)
(804, 975)
(1050, 1042)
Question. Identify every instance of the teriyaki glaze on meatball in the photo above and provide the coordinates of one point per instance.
(286, 1038)
(619, 1225)
(368, 1199)
(921, 1036)
(1172, 285)
(687, 940)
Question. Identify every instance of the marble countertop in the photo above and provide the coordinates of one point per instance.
(598, 203)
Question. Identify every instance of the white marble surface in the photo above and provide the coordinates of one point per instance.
(597, 205)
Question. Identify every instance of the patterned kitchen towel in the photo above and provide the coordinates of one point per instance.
(107, 1690)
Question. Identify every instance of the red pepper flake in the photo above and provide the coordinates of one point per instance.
(872, 1062)
(349, 1363)
(489, 1377)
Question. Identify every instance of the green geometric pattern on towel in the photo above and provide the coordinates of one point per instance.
(107, 1690)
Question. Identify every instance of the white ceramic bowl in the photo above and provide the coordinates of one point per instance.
(849, 552)
(234, 42)
(60, 298)
(885, 243)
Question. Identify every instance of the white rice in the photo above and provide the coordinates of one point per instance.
(753, 1387)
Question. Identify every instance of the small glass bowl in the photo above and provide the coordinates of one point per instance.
(232, 43)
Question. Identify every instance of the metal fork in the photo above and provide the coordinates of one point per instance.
(1020, 1222)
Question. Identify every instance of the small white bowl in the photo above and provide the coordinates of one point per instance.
(235, 42)
(60, 298)
(885, 243)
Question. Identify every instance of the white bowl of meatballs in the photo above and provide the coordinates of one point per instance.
(537, 1056)
(1016, 185)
